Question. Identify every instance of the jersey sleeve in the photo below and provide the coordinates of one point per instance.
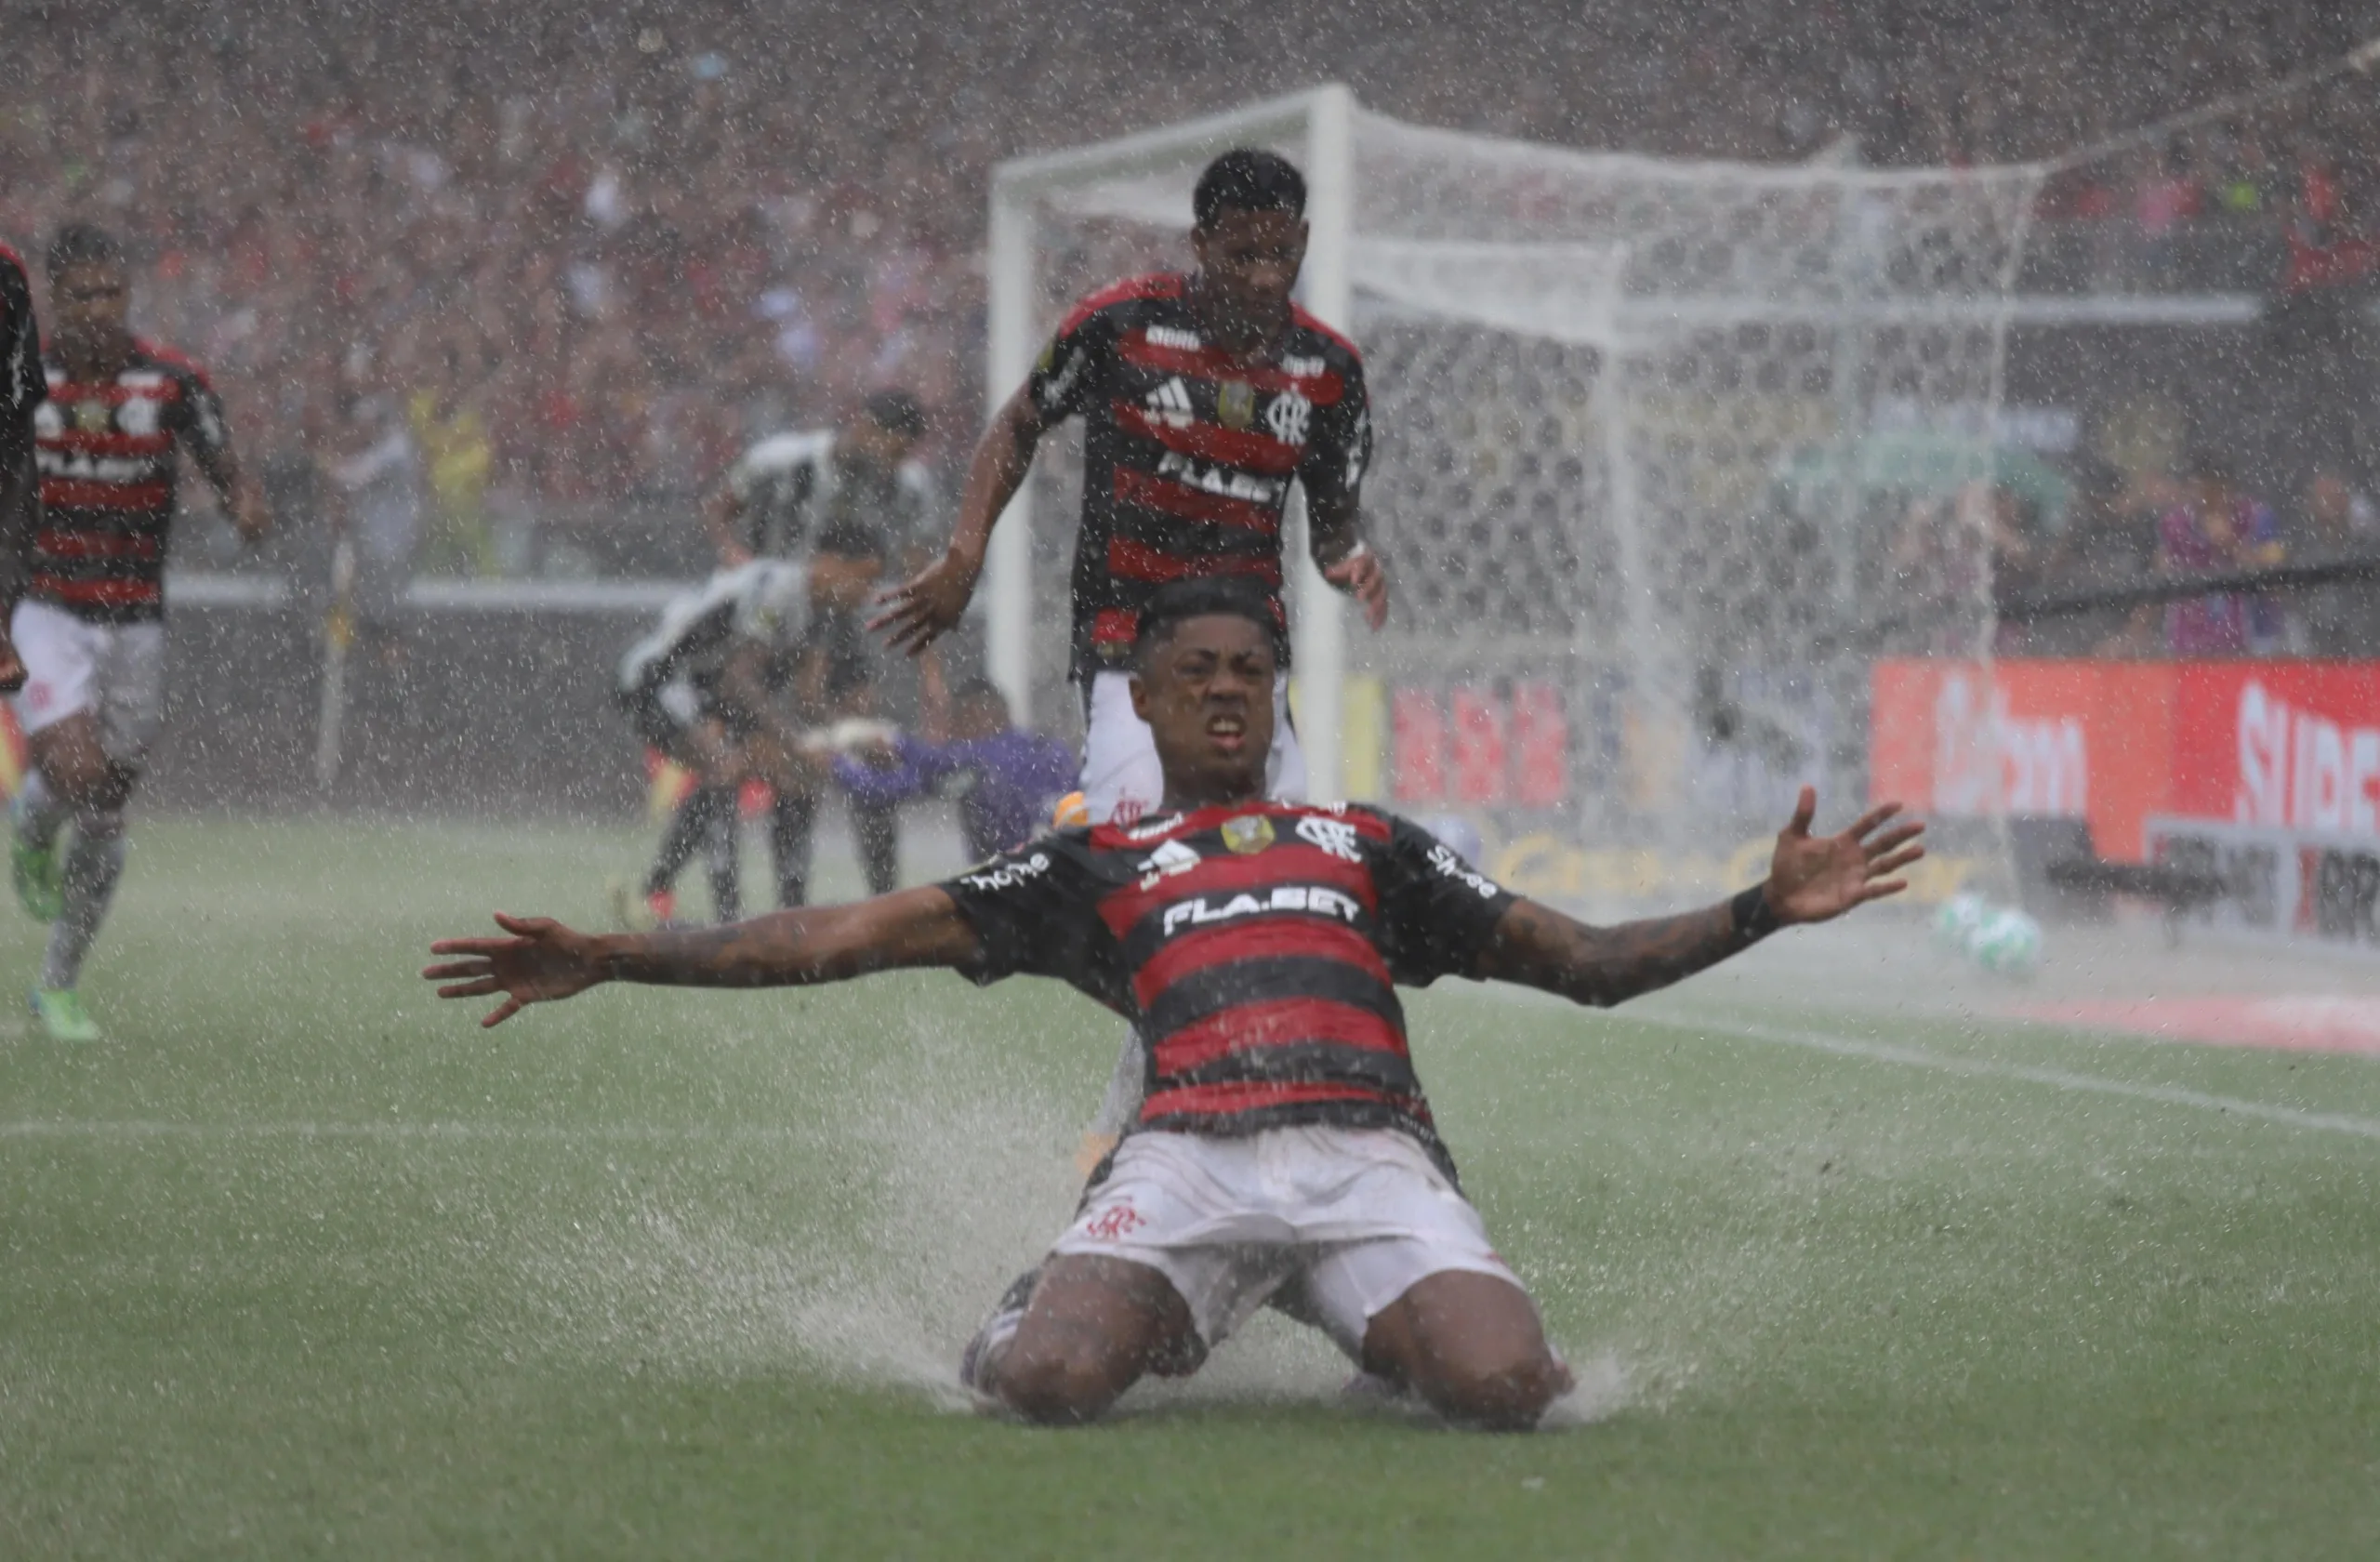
(1340, 446)
(1437, 913)
(1035, 910)
(1066, 376)
(204, 433)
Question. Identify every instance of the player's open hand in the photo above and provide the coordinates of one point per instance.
(929, 605)
(1813, 879)
(542, 962)
(1362, 577)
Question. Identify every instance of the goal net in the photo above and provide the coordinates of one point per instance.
(1668, 454)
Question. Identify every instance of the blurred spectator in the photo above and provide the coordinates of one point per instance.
(2216, 530)
(2110, 541)
(2343, 618)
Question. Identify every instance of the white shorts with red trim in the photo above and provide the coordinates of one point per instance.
(1340, 1220)
(114, 671)
(1120, 776)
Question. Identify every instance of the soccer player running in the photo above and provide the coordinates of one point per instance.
(1285, 1144)
(91, 625)
(1203, 397)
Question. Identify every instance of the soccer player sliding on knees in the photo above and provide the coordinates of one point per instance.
(1284, 1147)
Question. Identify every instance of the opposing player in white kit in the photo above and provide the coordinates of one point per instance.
(1285, 1148)
(91, 627)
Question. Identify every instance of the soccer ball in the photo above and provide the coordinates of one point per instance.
(2008, 943)
(1955, 924)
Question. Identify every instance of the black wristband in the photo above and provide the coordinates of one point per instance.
(1754, 917)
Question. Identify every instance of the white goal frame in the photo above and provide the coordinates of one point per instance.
(1321, 120)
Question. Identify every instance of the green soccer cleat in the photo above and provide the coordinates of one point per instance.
(34, 871)
(62, 1015)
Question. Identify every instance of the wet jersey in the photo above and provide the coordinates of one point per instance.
(22, 386)
(790, 493)
(1254, 948)
(766, 603)
(105, 451)
(1189, 452)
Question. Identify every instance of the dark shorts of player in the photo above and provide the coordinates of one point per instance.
(649, 711)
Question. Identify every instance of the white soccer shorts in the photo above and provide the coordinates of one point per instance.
(1350, 1219)
(1120, 776)
(114, 671)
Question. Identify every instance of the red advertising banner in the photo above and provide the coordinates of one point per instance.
(1480, 744)
(2278, 743)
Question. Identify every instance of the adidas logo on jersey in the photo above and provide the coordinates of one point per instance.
(1170, 404)
(1170, 857)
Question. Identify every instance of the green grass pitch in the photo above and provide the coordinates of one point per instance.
(300, 1261)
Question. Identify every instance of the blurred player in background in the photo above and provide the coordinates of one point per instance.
(786, 490)
(1203, 397)
(91, 627)
(1005, 778)
(22, 390)
(728, 685)
(789, 491)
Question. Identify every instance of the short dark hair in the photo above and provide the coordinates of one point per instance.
(1201, 598)
(82, 243)
(1247, 180)
(896, 412)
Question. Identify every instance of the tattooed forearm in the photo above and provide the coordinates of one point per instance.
(1540, 948)
(794, 948)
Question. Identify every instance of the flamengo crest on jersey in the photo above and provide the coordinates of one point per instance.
(1255, 949)
(1189, 451)
(105, 452)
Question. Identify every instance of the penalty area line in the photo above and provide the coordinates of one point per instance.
(1983, 1068)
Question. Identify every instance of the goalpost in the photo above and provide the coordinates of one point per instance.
(1668, 452)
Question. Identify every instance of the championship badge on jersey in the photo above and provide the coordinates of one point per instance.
(1236, 404)
(92, 417)
(1248, 835)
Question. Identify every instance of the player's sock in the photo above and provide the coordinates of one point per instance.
(39, 813)
(724, 848)
(790, 818)
(878, 828)
(93, 865)
(690, 828)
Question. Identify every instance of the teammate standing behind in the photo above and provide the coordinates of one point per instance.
(22, 390)
(91, 627)
(1203, 397)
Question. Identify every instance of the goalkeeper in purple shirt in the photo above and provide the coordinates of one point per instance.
(1006, 779)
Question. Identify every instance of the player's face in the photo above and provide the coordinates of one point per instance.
(89, 305)
(1247, 264)
(1207, 694)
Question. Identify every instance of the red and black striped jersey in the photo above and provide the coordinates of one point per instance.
(1188, 451)
(1255, 948)
(21, 379)
(108, 476)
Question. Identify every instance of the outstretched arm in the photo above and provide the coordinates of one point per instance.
(543, 961)
(1810, 880)
(930, 605)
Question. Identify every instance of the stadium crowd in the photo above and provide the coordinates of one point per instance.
(593, 256)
